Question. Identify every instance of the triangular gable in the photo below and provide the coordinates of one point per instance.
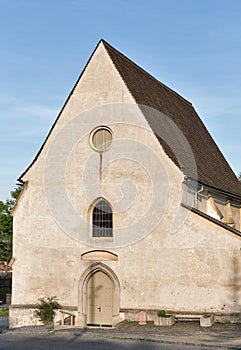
(76, 101)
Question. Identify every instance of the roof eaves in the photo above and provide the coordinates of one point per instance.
(217, 190)
(19, 197)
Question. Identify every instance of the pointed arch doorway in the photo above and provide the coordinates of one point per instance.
(99, 296)
(100, 299)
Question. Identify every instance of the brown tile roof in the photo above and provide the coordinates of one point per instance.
(212, 168)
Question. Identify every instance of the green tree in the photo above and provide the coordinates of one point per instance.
(6, 226)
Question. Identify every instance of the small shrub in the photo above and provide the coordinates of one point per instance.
(46, 309)
(206, 315)
(162, 313)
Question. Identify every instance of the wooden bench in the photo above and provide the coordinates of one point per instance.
(188, 317)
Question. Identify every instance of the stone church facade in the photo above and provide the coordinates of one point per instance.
(129, 205)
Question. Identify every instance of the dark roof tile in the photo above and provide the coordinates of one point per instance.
(212, 167)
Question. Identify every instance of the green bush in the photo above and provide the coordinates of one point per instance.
(45, 310)
(3, 312)
(162, 313)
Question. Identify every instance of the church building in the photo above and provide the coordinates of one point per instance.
(128, 206)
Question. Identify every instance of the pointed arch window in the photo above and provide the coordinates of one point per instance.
(102, 225)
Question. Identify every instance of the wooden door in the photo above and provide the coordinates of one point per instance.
(100, 295)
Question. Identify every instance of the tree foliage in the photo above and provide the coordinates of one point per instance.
(6, 226)
(46, 309)
(239, 177)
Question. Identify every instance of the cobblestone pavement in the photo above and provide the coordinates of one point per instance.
(226, 336)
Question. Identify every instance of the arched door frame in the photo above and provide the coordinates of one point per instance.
(83, 300)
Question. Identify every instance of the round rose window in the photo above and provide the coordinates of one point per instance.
(101, 139)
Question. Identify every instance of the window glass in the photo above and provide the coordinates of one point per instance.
(102, 220)
(101, 139)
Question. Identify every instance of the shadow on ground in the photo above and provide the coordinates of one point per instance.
(130, 335)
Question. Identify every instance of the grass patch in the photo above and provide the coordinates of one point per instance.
(4, 312)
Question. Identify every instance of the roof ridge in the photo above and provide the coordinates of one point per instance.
(144, 71)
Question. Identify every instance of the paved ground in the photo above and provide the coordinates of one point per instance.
(74, 343)
(183, 335)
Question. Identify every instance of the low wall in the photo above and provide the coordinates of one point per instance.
(20, 316)
(132, 315)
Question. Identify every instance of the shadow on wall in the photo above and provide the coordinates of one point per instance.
(235, 282)
(233, 302)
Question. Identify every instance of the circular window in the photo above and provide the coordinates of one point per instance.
(101, 139)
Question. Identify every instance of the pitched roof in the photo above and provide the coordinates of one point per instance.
(212, 168)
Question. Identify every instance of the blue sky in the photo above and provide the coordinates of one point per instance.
(192, 46)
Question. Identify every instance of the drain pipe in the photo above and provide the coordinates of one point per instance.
(196, 197)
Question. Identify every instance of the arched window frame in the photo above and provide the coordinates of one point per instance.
(101, 219)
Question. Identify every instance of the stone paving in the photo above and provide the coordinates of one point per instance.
(226, 336)
(219, 335)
